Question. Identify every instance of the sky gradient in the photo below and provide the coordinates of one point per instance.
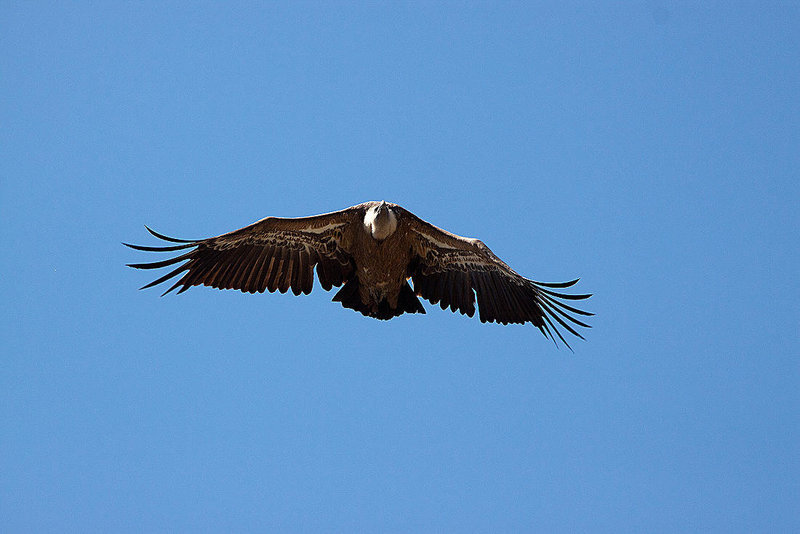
(649, 148)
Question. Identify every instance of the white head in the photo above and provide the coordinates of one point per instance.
(380, 221)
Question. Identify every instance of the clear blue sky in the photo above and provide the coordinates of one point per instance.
(650, 148)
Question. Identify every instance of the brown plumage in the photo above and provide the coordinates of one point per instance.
(373, 249)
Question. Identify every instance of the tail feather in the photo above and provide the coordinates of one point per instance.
(408, 301)
(350, 297)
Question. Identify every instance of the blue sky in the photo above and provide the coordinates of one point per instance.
(650, 148)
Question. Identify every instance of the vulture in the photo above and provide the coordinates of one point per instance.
(371, 250)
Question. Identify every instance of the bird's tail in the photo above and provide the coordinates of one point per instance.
(350, 297)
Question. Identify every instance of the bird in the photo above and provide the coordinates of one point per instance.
(371, 250)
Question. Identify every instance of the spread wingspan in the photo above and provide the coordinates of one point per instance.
(372, 258)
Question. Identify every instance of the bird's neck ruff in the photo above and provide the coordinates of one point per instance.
(380, 221)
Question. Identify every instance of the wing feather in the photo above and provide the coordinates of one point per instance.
(271, 254)
(445, 288)
(305, 280)
(456, 289)
(499, 289)
(275, 269)
(217, 268)
(456, 271)
(486, 310)
(243, 262)
(165, 277)
(251, 283)
(298, 270)
(269, 261)
(286, 272)
(325, 275)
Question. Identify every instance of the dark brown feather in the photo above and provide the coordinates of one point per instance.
(276, 269)
(324, 274)
(245, 263)
(250, 282)
(469, 296)
(305, 279)
(202, 263)
(215, 261)
(265, 268)
(245, 282)
(286, 275)
(452, 289)
(444, 287)
(483, 305)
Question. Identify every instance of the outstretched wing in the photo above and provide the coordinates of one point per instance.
(450, 270)
(272, 254)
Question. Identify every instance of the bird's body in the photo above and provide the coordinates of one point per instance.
(384, 265)
(372, 250)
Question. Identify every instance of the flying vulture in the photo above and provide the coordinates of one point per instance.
(371, 250)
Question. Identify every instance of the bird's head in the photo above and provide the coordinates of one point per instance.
(380, 221)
